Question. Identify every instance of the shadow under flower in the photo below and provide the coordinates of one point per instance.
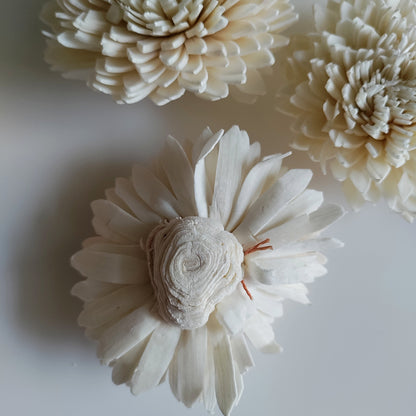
(41, 261)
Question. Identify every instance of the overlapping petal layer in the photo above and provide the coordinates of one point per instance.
(161, 48)
(193, 258)
(352, 91)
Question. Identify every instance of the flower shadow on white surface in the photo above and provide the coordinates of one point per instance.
(45, 308)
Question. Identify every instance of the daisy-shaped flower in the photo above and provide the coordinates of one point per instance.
(159, 49)
(353, 93)
(194, 258)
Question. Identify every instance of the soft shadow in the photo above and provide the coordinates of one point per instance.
(41, 265)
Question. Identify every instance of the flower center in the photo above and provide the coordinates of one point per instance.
(161, 17)
(193, 264)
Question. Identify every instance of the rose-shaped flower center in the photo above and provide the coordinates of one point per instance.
(193, 265)
(163, 17)
(379, 101)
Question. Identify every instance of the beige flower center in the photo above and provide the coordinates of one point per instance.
(379, 101)
(193, 265)
(168, 17)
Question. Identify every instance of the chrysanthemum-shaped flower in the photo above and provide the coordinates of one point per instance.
(193, 258)
(159, 49)
(353, 92)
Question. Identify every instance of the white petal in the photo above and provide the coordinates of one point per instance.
(127, 333)
(203, 191)
(260, 333)
(268, 303)
(125, 190)
(209, 398)
(114, 305)
(303, 226)
(154, 193)
(156, 358)
(241, 354)
(234, 310)
(233, 150)
(270, 203)
(110, 267)
(307, 202)
(253, 185)
(180, 175)
(186, 374)
(119, 221)
(125, 366)
(287, 270)
(225, 381)
(90, 289)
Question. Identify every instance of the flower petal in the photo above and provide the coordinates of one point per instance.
(154, 193)
(186, 373)
(114, 306)
(180, 175)
(124, 367)
(119, 221)
(225, 381)
(253, 186)
(156, 358)
(110, 267)
(270, 203)
(260, 333)
(233, 151)
(126, 333)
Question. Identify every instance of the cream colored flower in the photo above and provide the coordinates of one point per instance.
(159, 49)
(353, 93)
(193, 258)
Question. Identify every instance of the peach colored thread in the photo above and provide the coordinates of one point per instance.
(257, 247)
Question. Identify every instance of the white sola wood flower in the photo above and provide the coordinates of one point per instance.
(133, 49)
(353, 93)
(193, 258)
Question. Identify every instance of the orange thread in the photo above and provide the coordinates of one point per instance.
(247, 291)
(258, 247)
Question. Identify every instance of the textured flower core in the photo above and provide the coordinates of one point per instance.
(193, 265)
(166, 17)
(351, 87)
(160, 49)
(380, 102)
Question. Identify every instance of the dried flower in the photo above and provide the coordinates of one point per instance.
(159, 49)
(352, 91)
(195, 256)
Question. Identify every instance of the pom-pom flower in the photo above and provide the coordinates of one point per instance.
(353, 92)
(159, 49)
(193, 258)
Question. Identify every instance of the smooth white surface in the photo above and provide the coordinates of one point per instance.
(352, 352)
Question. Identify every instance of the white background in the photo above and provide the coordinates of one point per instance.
(352, 352)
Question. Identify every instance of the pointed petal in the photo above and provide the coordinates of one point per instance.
(233, 151)
(225, 381)
(241, 353)
(270, 203)
(125, 366)
(287, 270)
(303, 226)
(180, 175)
(119, 221)
(261, 334)
(156, 358)
(232, 312)
(190, 358)
(127, 333)
(90, 289)
(154, 193)
(110, 267)
(114, 306)
(253, 186)
(125, 190)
